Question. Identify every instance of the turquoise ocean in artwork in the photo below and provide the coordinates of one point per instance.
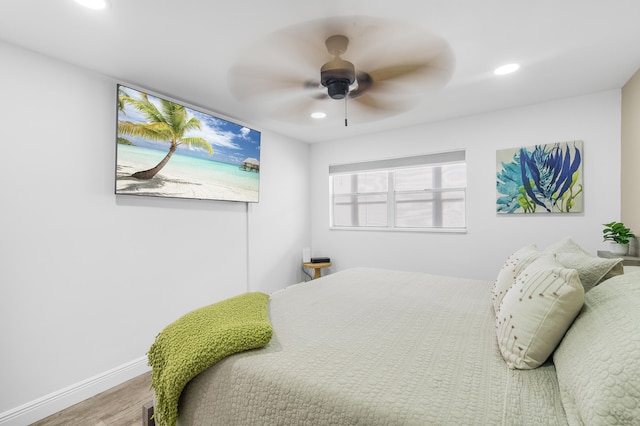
(184, 176)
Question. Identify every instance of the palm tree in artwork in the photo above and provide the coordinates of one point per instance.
(169, 124)
(121, 96)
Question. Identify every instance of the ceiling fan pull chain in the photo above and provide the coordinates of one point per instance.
(345, 111)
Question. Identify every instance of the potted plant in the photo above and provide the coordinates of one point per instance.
(619, 236)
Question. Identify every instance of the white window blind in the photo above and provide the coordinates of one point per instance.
(425, 192)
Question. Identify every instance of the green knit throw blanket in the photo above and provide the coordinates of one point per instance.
(198, 340)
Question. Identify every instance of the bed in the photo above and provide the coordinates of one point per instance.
(368, 346)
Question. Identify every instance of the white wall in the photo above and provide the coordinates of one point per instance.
(87, 278)
(280, 225)
(480, 252)
(630, 202)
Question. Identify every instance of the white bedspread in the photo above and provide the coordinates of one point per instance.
(376, 347)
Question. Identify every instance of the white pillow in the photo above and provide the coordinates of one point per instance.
(510, 270)
(592, 270)
(598, 360)
(536, 312)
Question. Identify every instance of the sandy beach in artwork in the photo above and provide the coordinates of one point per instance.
(183, 177)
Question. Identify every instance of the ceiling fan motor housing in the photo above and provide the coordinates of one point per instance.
(337, 75)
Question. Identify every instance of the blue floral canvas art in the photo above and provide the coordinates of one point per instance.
(540, 179)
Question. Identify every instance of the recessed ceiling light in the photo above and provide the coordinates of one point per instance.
(318, 115)
(94, 4)
(506, 69)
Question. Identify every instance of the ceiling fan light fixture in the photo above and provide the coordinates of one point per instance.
(318, 115)
(337, 75)
(338, 89)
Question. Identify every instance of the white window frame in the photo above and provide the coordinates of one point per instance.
(391, 165)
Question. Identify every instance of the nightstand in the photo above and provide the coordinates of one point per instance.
(317, 267)
(626, 260)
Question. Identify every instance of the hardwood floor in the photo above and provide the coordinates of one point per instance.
(119, 406)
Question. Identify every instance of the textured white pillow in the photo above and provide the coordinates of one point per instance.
(510, 270)
(598, 360)
(536, 312)
(592, 270)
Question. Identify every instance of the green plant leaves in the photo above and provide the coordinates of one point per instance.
(617, 232)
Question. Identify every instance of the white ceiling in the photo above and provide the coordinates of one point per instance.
(187, 49)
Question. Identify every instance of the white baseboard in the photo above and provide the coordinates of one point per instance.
(64, 398)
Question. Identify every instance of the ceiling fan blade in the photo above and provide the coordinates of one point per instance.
(398, 71)
(307, 47)
(249, 82)
(364, 84)
(267, 68)
(404, 79)
(315, 89)
(426, 60)
(385, 106)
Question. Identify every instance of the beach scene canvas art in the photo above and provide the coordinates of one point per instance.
(540, 179)
(166, 149)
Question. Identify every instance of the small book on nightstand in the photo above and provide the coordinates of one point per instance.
(320, 260)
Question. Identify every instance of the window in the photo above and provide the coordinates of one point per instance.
(425, 192)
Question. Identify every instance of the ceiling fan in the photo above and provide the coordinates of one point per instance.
(337, 75)
(295, 71)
